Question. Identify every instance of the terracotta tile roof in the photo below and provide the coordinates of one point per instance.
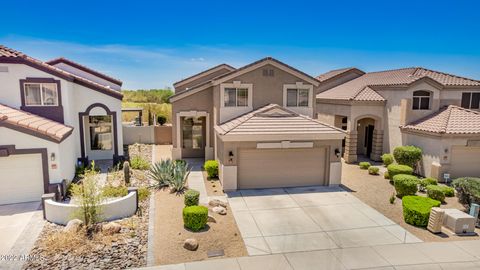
(274, 119)
(33, 124)
(405, 76)
(84, 68)
(333, 73)
(13, 56)
(368, 94)
(448, 120)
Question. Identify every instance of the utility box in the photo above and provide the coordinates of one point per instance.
(435, 221)
(474, 209)
(459, 222)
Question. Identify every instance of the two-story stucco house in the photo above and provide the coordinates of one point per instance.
(259, 122)
(52, 116)
(435, 111)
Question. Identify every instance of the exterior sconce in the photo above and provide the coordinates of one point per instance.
(230, 156)
(446, 150)
(52, 156)
(337, 152)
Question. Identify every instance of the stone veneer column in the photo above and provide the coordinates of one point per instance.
(377, 145)
(350, 155)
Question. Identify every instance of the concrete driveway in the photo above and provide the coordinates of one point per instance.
(310, 219)
(14, 219)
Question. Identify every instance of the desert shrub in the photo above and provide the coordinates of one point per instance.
(139, 163)
(195, 217)
(387, 159)
(448, 191)
(162, 172)
(211, 166)
(394, 169)
(179, 177)
(435, 192)
(416, 209)
(191, 197)
(386, 175)
(373, 170)
(423, 183)
(468, 190)
(111, 191)
(364, 165)
(161, 120)
(407, 155)
(405, 184)
(143, 193)
(81, 168)
(392, 198)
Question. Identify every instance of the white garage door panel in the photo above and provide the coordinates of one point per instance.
(465, 161)
(265, 168)
(21, 178)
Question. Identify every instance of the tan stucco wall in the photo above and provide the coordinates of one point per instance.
(183, 86)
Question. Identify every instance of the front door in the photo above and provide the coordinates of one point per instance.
(369, 138)
(193, 137)
(99, 136)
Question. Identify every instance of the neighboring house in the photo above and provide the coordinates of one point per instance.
(52, 116)
(410, 106)
(258, 122)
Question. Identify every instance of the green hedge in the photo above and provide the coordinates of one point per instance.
(407, 155)
(394, 169)
(364, 165)
(416, 209)
(448, 191)
(387, 159)
(435, 192)
(405, 184)
(373, 170)
(211, 166)
(386, 175)
(191, 197)
(195, 217)
(426, 182)
(468, 190)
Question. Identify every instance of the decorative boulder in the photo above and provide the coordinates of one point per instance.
(190, 244)
(219, 210)
(211, 219)
(111, 228)
(73, 225)
(216, 202)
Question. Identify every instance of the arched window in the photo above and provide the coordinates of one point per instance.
(421, 100)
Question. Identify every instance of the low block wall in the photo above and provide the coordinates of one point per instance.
(147, 134)
(62, 213)
(163, 134)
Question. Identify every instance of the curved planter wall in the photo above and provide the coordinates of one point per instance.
(61, 213)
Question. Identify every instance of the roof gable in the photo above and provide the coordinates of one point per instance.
(203, 74)
(337, 73)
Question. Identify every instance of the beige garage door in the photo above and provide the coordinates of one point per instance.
(265, 168)
(21, 178)
(465, 161)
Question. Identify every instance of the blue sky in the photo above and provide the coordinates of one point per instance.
(151, 44)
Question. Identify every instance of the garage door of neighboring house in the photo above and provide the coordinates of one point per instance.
(21, 178)
(465, 161)
(266, 168)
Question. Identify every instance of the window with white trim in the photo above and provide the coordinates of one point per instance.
(236, 97)
(297, 97)
(41, 94)
(421, 100)
(471, 100)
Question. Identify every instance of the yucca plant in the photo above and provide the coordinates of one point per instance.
(162, 172)
(179, 177)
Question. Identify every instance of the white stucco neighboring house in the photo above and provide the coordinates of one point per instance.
(53, 115)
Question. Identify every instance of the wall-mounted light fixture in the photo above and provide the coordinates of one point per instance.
(337, 152)
(446, 150)
(52, 156)
(230, 156)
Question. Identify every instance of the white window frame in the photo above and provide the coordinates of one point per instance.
(237, 85)
(42, 102)
(430, 96)
(298, 86)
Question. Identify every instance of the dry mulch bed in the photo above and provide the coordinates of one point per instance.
(213, 186)
(170, 233)
(376, 191)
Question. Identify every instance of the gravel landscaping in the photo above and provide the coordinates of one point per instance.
(376, 191)
(213, 186)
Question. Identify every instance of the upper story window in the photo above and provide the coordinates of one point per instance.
(471, 100)
(41, 94)
(421, 100)
(298, 97)
(235, 97)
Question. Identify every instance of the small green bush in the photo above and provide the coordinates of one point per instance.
(373, 170)
(191, 197)
(448, 191)
(405, 184)
(394, 169)
(161, 120)
(111, 191)
(386, 175)
(426, 182)
(468, 190)
(407, 155)
(139, 163)
(211, 166)
(436, 193)
(387, 159)
(143, 193)
(195, 217)
(364, 165)
(416, 209)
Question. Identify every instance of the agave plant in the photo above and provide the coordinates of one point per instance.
(162, 172)
(179, 177)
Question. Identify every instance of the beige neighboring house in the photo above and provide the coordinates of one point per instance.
(412, 106)
(259, 122)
